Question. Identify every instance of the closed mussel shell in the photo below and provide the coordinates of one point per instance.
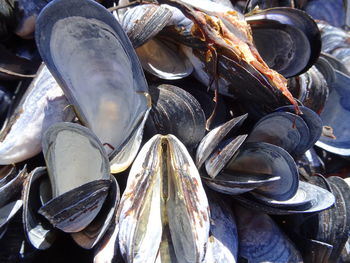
(164, 211)
(143, 22)
(310, 89)
(223, 237)
(177, 112)
(338, 218)
(269, 244)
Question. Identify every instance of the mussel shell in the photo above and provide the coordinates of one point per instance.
(312, 120)
(214, 137)
(94, 232)
(38, 230)
(335, 64)
(164, 60)
(333, 12)
(235, 184)
(175, 111)
(269, 243)
(7, 212)
(223, 240)
(282, 129)
(7, 174)
(265, 158)
(336, 115)
(109, 92)
(13, 67)
(222, 155)
(76, 209)
(42, 105)
(69, 149)
(143, 22)
(320, 199)
(12, 186)
(310, 89)
(308, 196)
(163, 190)
(325, 67)
(286, 28)
(339, 217)
(258, 97)
(7, 19)
(251, 4)
(107, 250)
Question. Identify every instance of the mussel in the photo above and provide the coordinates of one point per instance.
(42, 105)
(80, 179)
(92, 59)
(164, 211)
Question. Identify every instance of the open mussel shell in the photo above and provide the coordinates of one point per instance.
(336, 116)
(288, 39)
(211, 141)
(42, 105)
(222, 245)
(261, 240)
(235, 183)
(143, 22)
(175, 111)
(164, 59)
(283, 129)
(308, 199)
(74, 210)
(264, 158)
(74, 156)
(11, 186)
(312, 120)
(217, 161)
(163, 197)
(38, 230)
(94, 232)
(109, 92)
(79, 173)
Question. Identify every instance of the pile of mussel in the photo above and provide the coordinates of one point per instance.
(174, 131)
